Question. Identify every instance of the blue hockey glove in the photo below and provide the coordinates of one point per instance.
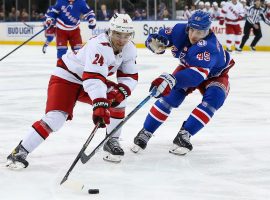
(157, 43)
(92, 23)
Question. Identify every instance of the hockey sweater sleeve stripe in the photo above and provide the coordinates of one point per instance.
(188, 78)
(91, 75)
(122, 74)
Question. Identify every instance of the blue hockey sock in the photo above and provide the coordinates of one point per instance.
(199, 117)
(61, 51)
(157, 115)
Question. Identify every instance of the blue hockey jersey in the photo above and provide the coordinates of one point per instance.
(67, 14)
(202, 60)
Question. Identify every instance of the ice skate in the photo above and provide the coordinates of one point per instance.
(140, 141)
(252, 48)
(181, 143)
(44, 48)
(238, 50)
(17, 159)
(113, 151)
(229, 50)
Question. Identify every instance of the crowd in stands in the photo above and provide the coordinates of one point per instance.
(104, 14)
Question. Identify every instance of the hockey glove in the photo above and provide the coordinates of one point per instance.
(164, 84)
(221, 22)
(157, 43)
(118, 94)
(48, 23)
(101, 112)
(92, 23)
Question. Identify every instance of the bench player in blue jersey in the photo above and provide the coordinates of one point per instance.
(204, 65)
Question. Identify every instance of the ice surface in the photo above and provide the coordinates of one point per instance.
(230, 160)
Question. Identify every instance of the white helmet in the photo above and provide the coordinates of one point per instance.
(222, 3)
(121, 23)
(207, 3)
(215, 4)
(201, 3)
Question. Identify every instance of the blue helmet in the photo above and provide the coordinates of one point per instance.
(200, 20)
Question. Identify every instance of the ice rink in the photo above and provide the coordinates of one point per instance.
(230, 160)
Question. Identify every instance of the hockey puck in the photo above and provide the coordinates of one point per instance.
(93, 191)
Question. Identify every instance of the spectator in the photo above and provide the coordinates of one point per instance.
(161, 8)
(103, 13)
(34, 16)
(2, 13)
(122, 11)
(166, 15)
(207, 7)
(137, 15)
(14, 14)
(24, 15)
(201, 5)
(192, 9)
(144, 15)
(267, 9)
(186, 13)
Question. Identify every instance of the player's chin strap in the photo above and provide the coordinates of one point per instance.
(85, 158)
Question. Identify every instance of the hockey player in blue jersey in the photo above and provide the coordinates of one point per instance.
(49, 32)
(65, 15)
(204, 65)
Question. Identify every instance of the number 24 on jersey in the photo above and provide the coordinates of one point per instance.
(99, 60)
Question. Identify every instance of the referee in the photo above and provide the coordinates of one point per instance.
(254, 14)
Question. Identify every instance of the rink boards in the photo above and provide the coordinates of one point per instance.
(18, 32)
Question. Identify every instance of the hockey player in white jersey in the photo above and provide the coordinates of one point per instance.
(231, 13)
(84, 77)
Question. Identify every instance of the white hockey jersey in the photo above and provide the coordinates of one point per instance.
(215, 13)
(95, 61)
(232, 13)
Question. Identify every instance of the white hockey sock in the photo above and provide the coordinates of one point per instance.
(113, 123)
(32, 140)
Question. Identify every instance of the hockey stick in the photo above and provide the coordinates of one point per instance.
(32, 26)
(80, 153)
(23, 43)
(85, 158)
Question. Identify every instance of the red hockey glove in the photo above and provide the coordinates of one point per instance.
(48, 23)
(221, 22)
(118, 94)
(164, 84)
(101, 112)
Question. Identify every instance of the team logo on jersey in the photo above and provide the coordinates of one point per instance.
(202, 43)
(182, 55)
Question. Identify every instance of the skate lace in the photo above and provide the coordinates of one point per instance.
(20, 154)
(185, 136)
(145, 136)
(114, 143)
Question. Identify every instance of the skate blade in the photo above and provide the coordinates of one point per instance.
(112, 158)
(14, 165)
(136, 148)
(179, 150)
